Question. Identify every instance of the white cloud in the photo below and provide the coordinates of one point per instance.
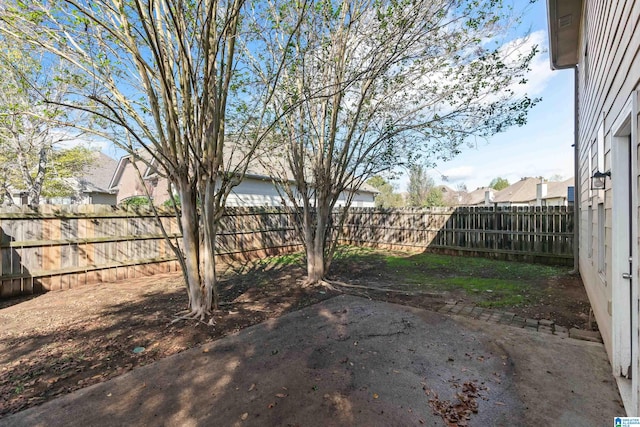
(458, 174)
(541, 73)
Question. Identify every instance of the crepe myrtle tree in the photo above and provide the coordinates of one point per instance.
(380, 84)
(169, 80)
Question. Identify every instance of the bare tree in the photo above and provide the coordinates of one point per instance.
(30, 129)
(379, 84)
(171, 78)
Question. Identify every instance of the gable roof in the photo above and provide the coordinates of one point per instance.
(520, 192)
(98, 176)
(477, 196)
(558, 189)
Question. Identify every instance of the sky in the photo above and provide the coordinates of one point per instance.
(540, 148)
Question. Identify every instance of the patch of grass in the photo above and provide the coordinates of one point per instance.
(497, 292)
(446, 265)
(355, 253)
(286, 259)
(487, 282)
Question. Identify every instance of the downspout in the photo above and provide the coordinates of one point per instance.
(576, 180)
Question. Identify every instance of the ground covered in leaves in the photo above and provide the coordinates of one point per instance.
(58, 342)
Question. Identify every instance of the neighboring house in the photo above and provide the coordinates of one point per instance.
(125, 181)
(600, 42)
(91, 189)
(522, 193)
(482, 196)
(526, 192)
(451, 197)
(256, 189)
(555, 193)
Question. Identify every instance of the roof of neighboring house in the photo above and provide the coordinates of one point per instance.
(260, 166)
(477, 196)
(98, 177)
(142, 155)
(452, 197)
(520, 192)
(558, 189)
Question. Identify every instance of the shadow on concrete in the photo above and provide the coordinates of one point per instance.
(350, 361)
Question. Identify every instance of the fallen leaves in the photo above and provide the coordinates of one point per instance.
(456, 414)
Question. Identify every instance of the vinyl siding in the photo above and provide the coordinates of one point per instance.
(609, 70)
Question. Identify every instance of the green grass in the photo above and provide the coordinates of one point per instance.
(491, 283)
(466, 266)
(295, 258)
(500, 292)
(487, 282)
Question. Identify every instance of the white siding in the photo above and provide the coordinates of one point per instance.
(609, 72)
(256, 192)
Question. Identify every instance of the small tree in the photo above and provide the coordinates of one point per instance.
(387, 197)
(378, 83)
(434, 198)
(420, 188)
(499, 183)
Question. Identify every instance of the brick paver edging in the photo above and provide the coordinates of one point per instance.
(511, 319)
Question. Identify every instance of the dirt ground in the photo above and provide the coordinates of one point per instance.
(62, 341)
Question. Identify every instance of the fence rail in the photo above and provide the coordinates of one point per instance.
(59, 247)
(539, 234)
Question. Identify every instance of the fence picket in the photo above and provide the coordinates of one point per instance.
(57, 247)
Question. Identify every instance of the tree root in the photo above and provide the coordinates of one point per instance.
(198, 315)
(328, 285)
(375, 288)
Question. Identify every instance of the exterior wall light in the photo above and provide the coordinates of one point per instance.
(599, 180)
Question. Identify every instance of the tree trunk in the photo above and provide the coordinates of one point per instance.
(199, 245)
(209, 225)
(317, 267)
(191, 250)
(5, 196)
(36, 188)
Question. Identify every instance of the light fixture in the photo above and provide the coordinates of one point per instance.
(599, 179)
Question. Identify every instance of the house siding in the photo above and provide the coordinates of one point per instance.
(608, 75)
(129, 185)
(250, 192)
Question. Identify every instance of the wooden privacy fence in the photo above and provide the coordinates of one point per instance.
(59, 247)
(537, 234)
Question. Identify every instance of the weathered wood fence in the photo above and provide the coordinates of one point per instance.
(536, 234)
(59, 247)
